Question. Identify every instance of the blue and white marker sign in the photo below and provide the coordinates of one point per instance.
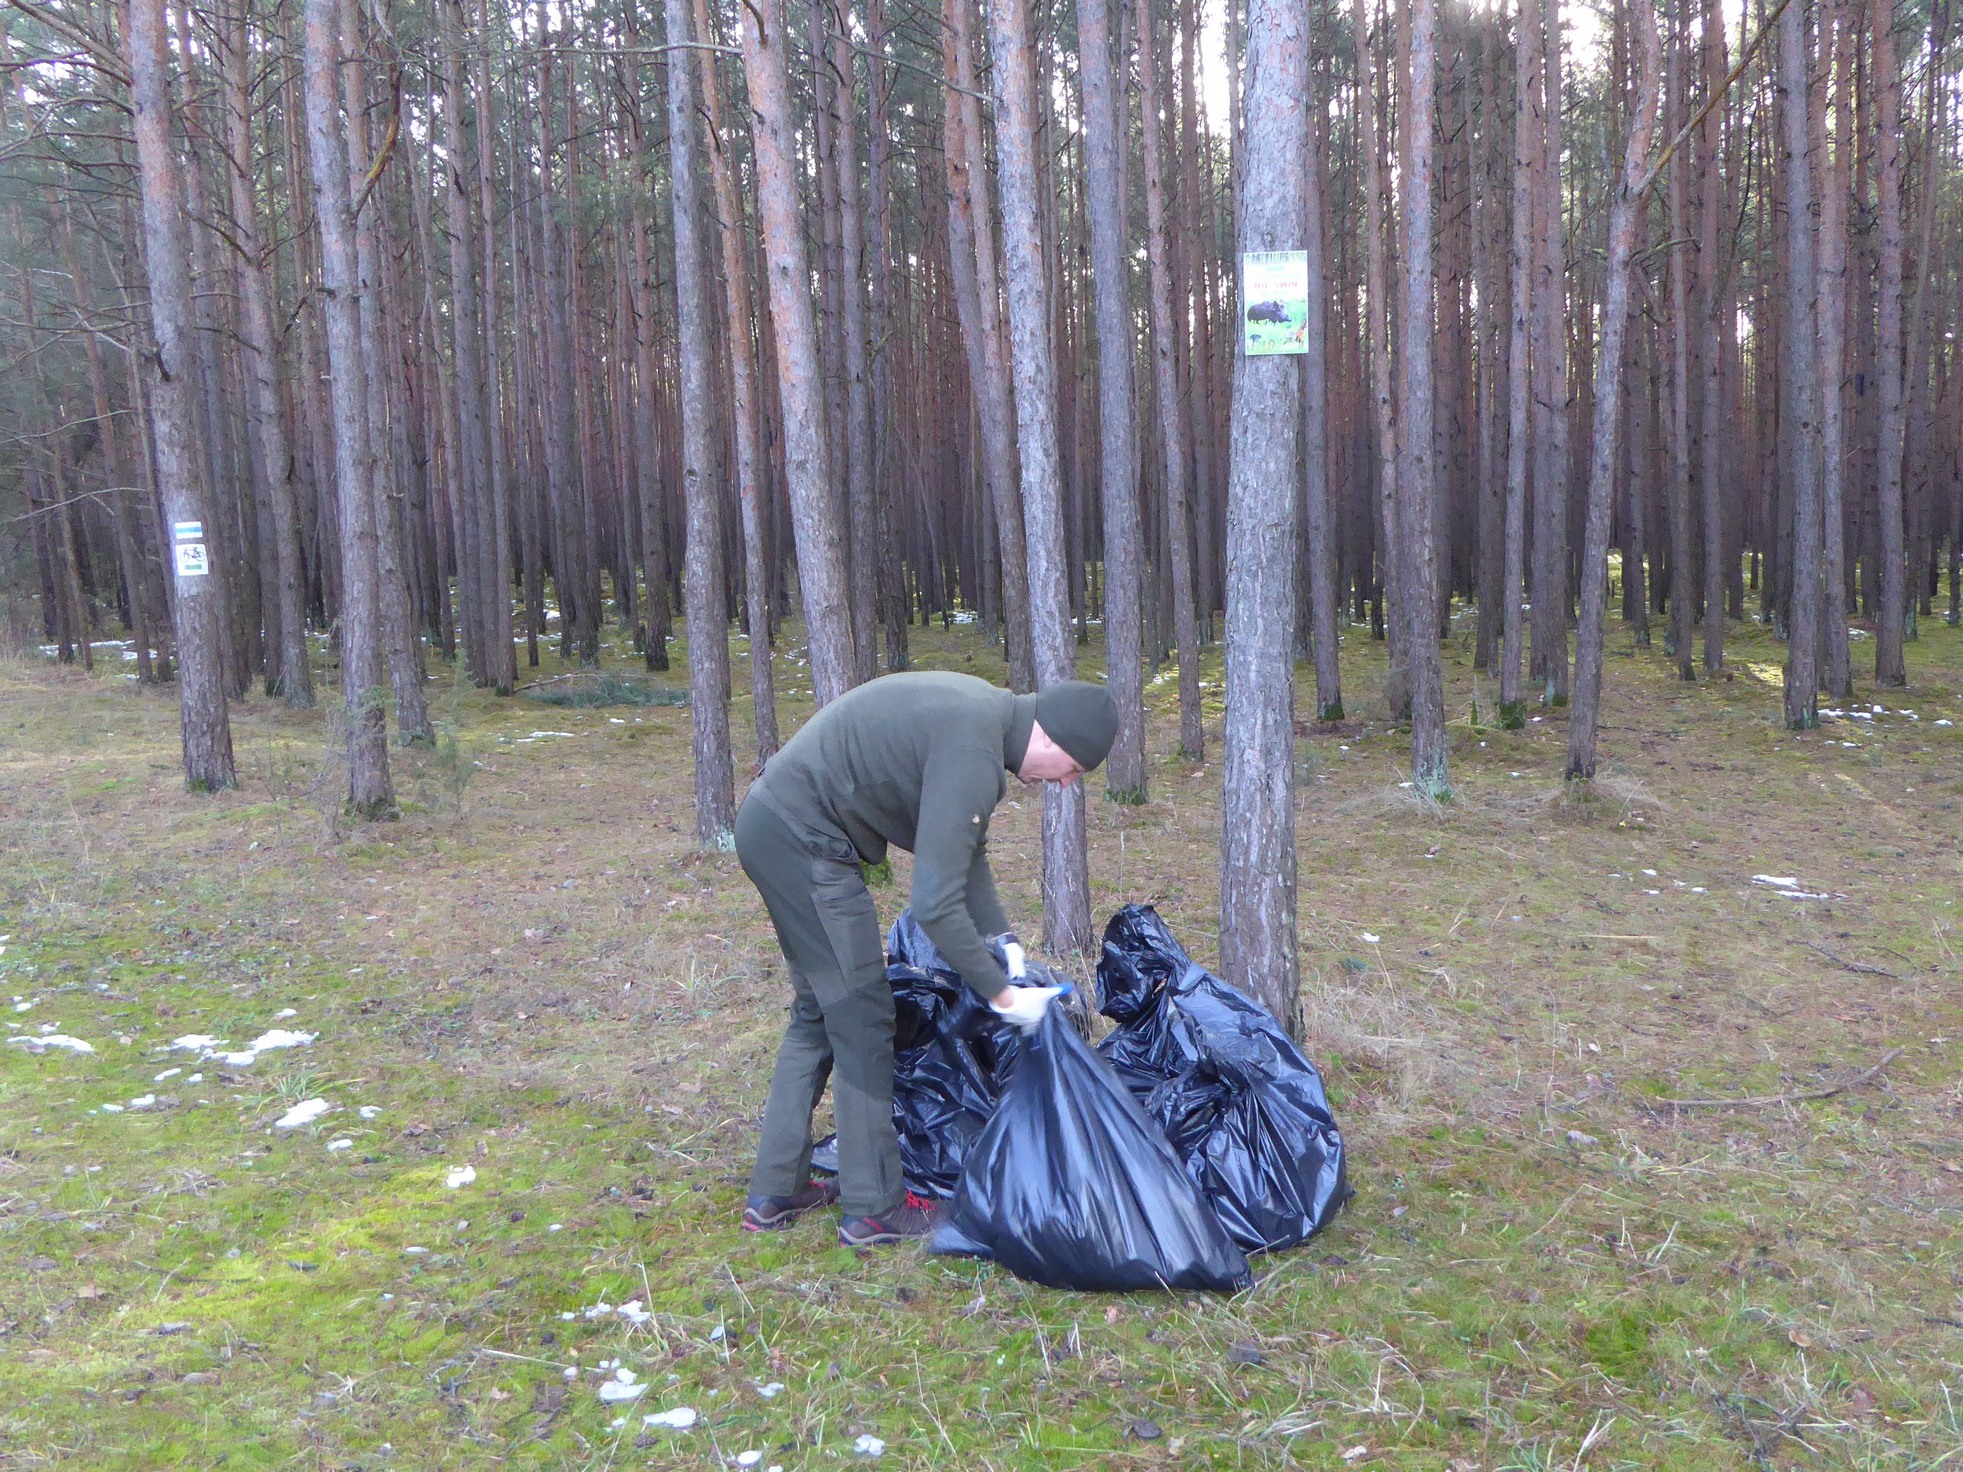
(187, 539)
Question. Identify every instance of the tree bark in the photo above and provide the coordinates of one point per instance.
(1625, 221)
(820, 554)
(1172, 437)
(1527, 161)
(1124, 652)
(743, 403)
(1257, 867)
(1416, 487)
(702, 578)
(1801, 399)
(1890, 620)
(1319, 526)
(1066, 880)
(1830, 303)
(370, 791)
(977, 291)
(1376, 204)
(1550, 438)
(195, 611)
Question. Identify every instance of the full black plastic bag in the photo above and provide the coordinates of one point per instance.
(1240, 1103)
(951, 1056)
(1072, 1186)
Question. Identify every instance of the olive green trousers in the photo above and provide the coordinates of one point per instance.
(841, 1025)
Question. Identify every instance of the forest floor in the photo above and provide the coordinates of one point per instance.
(543, 1023)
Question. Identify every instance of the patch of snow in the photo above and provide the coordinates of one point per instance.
(633, 1312)
(869, 1446)
(53, 1040)
(1775, 881)
(112, 1109)
(771, 1391)
(679, 1419)
(305, 1112)
(369, 1111)
(747, 1459)
(198, 1042)
(167, 1073)
(281, 1037)
(614, 1391)
(144, 1101)
(286, 1012)
(460, 1176)
(1369, 939)
(341, 1144)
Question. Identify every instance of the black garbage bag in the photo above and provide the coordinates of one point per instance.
(951, 1055)
(1072, 1186)
(1240, 1103)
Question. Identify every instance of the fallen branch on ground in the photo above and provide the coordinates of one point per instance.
(1860, 967)
(1757, 1099)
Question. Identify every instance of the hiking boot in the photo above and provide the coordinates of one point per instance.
(915, 1217)
(773, 1213)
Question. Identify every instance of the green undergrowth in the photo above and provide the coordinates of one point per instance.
(545, 995)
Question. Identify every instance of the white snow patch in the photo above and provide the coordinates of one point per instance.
(54, 1040)
(305, 1112)
(1774, 881)
(167, 1073)
(460, 1176)
(144, 1101)
(112, 1109)
(198, 1042)
(1369, 939)
(369, 1111)
(286, 1012)
(748, 1459)
(341, 1144)
(771, 1391)
(679, 1419)
(615, 1390)
(869, 1446)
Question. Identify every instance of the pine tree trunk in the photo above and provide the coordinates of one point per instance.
(207, 732)
(1527, 161)
(1801, 371)
(743, 402)
(1376, 204)
(1835, 656)
(1889, 667)
(1683, 597)
(1066, 882)
(1257, 865)
(1550, 439)
(1172, 438)
(1104, 148)
(971, 247)
(1319, 514)
(1417, 487)
(708, 643)
(1625, 222)
(820, 554)
(370, 791)
(1710, 276)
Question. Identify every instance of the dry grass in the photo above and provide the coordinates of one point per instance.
(534, 971)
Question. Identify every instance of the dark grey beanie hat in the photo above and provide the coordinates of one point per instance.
(1080, 717)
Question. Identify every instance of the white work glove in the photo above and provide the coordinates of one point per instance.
(1012, 956)
(1026, 1005)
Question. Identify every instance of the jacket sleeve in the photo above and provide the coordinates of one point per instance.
(958, 793)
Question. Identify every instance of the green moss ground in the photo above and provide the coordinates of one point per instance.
(535, 974)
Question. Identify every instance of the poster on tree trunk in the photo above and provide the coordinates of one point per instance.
(1274, 302)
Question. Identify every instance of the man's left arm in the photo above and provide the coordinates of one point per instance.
(984, 903)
